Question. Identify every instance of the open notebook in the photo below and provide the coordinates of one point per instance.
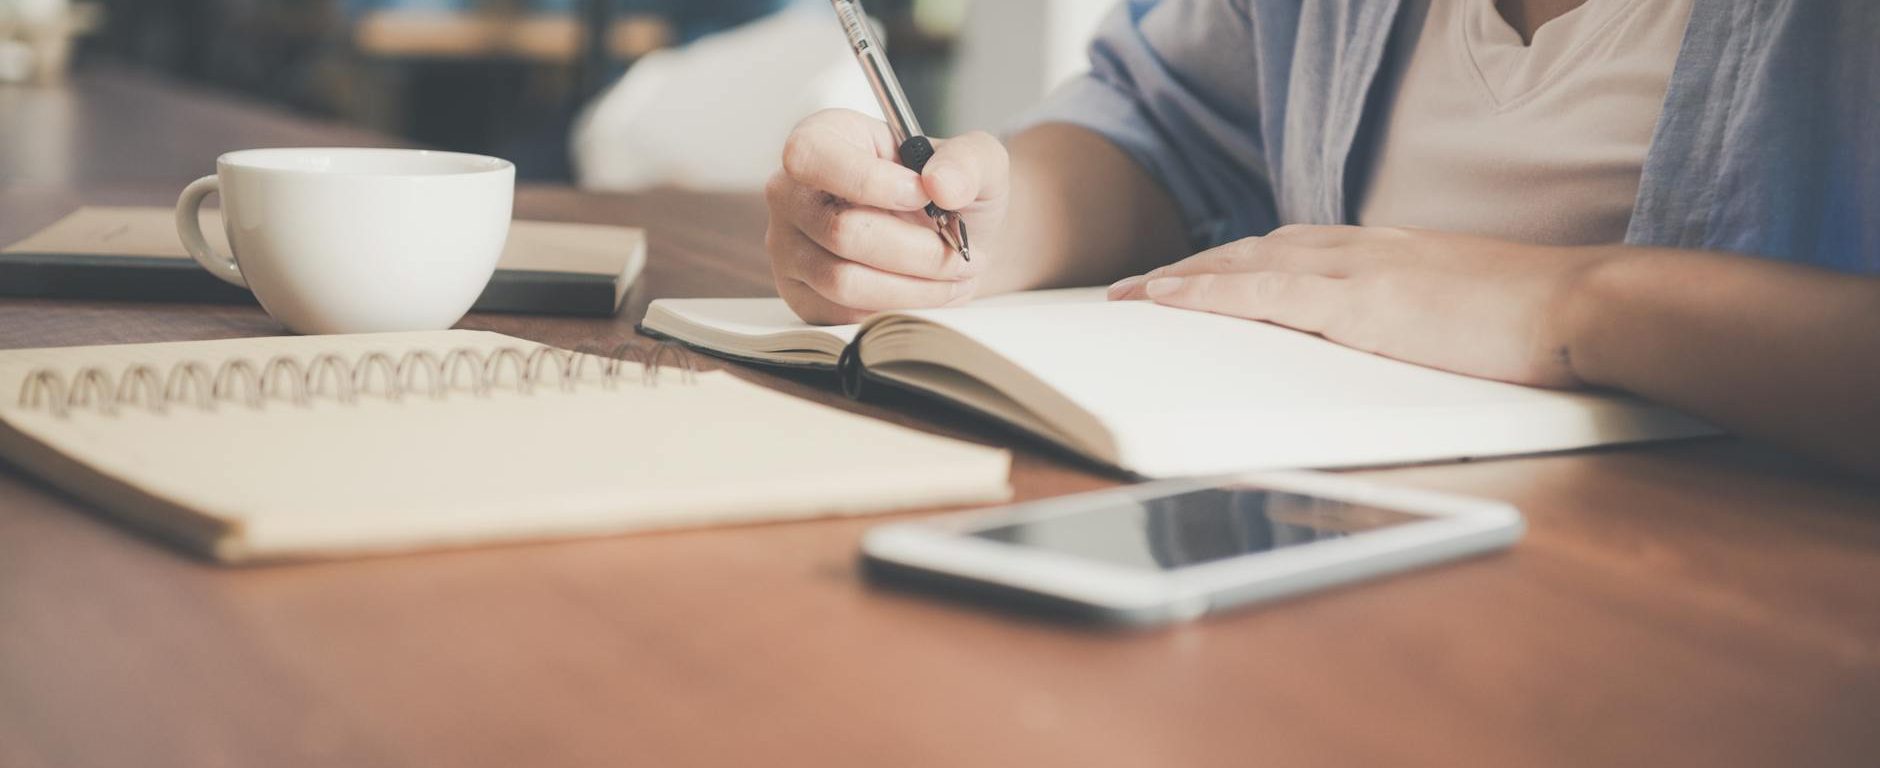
(269, 448)
(1159, 391)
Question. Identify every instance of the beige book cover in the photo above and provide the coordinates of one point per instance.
(133, 252)
(262, 449)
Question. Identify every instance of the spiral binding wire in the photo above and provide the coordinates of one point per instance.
(332, 377)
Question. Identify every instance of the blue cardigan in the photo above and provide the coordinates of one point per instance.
(1249, 112)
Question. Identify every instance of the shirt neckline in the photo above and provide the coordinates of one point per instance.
(1511, 72)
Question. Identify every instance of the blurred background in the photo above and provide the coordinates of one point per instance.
(609, 94)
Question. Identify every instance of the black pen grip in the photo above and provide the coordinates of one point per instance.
(915, 152)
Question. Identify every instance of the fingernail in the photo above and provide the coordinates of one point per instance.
(1163, 286)
(1122, 287)
(908, 194)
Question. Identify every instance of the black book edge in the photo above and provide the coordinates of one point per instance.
(151, 278)
(851, 375)
(733, 357)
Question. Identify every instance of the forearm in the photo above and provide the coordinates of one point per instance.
(1786, 353)
(1082, 213)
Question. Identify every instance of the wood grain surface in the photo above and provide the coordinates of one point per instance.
(1712, 603)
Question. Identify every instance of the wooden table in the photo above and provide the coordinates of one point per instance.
(1702, 604)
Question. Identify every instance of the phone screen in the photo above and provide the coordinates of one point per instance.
(1197, 527)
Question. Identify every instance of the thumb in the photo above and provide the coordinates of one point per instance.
(969, 168)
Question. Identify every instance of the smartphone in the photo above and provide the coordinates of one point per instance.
(1176, 550)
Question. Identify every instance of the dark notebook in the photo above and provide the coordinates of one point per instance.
(134, 254)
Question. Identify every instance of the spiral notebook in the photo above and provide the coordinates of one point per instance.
(261, 449)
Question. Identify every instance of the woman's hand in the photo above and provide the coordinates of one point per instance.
(1473, 305)
(847, 233)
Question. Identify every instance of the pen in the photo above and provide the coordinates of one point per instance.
(912, 147)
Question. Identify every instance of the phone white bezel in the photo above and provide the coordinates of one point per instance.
(1456, 526)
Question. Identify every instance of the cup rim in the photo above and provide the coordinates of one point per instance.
(249, 160)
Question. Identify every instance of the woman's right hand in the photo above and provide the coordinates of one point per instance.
(848, 236)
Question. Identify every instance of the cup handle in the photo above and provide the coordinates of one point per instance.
(189, 227)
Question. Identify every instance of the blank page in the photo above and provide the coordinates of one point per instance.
(767, 328)
(1190, 392)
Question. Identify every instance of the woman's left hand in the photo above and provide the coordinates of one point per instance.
(1474, 305)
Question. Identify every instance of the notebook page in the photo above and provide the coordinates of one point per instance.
(1189, 392)
(377, 474)
(745, 318)
(747, 321)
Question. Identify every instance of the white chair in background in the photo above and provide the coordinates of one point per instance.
(1013, 52)
(713, 115)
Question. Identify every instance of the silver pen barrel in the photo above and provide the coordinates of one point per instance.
(874, 60)
(911, 145)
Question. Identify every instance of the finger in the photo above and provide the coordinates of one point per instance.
(1318, 235)
(967, 168)
(1305, 302)
(855, 285)
(1326, 250)
(1251, 254)
(807, 304)
(878, 238)
(830, 152)
(813, 308)
(1261, 254)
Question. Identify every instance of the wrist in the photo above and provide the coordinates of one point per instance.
(1587, 311)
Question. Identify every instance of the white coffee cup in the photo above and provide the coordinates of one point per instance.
(354, 240)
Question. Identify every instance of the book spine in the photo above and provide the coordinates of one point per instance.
(849, 370)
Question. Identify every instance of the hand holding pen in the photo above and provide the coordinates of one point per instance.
(849, 230)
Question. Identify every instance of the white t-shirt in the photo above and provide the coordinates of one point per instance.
(1539, 143)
